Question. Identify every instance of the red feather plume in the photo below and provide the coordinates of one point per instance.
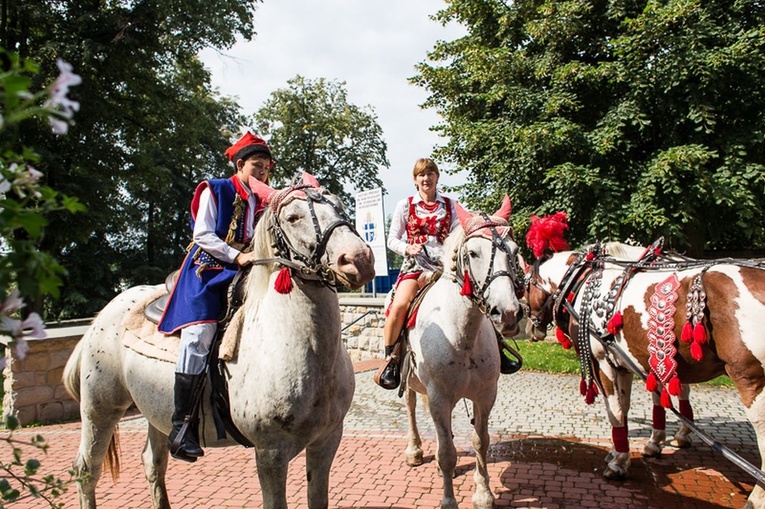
(547, 233)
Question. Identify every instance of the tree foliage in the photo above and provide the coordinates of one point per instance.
(312, 127)
(149, 128)
(639, 118)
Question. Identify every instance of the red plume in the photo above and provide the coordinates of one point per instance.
(547, 233)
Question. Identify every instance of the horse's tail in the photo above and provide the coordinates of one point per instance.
(71, 376)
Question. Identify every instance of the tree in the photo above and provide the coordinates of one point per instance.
(639, 118)
(149, 128)
(312, 127)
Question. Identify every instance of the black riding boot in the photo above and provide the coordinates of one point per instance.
(184, 438)
(389, 377)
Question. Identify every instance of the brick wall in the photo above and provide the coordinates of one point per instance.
(33, 388)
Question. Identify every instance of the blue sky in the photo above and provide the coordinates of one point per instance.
(371, 46)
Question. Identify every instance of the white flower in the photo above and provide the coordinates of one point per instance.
(12, 303)
(5, 186)
(64, 106)
(22, 347)
(10, 326)
(33, 327)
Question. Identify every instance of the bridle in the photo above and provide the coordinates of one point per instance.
(306, 266)
(536, 319)
(498, 243)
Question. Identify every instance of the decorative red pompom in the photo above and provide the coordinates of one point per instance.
(674, 386)
(666, 401)
(650, 382)
(547, 233)
(696, 352)
(590, 256)
(467, 286)
(283, 282)
(615, 323)
(687, 334)
(700, 333)
(583, 387)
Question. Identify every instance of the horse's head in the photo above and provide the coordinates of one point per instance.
(313, 235)
(486, 262)
(541, 286)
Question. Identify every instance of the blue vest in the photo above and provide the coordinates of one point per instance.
(200, 291)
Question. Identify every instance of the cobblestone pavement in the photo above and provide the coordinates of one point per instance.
(547, 452)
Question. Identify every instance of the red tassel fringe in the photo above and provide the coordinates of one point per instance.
(283, 283)
(674, 386)
(563, 339)
(666, 401)
(696, 352)
(699, 333)
(467, 286)
(650, 382)
(687, 334)
(591, 393)
(615, 323)
(583, 387)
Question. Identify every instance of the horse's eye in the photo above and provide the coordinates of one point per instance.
(472, 254)
(293, 218)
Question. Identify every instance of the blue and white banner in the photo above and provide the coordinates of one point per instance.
(370, 223)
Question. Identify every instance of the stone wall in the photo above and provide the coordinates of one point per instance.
(34, 391)
(33, 388)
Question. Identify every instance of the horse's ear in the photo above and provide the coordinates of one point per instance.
(262, 191)
(505, 210)
(310, 180)
(463, 215)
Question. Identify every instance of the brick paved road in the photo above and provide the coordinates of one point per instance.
(547, 452)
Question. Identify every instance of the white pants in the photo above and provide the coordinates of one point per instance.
(195, 345)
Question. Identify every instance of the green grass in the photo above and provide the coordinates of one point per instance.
(552, 358)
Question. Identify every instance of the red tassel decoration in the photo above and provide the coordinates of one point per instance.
(674, 386)
(583, 387)
(666, 401)
(591, 392)
(699, 333)
(595, 389)
(563, 339)
(590, 256)
(650, 382)
(687, 334)
(467, 286)
(283, 282)
(615, 323)
(696, 351)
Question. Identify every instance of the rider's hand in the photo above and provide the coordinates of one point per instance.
(244, 259)
(413, 249)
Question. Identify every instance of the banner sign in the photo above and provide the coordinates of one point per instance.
(370, 223)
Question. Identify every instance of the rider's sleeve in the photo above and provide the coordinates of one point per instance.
(204, 230)
(455, 219)
(397, 231)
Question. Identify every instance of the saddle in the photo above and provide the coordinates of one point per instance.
(153, 312)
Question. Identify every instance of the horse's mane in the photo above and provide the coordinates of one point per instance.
(451, 244)
(622, 251)
(257, 280)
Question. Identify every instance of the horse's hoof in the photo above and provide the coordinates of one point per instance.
(614, 475)
(415, 460)
(681, 443)
(651, 450)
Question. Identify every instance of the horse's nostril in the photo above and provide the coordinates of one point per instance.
(495, 313)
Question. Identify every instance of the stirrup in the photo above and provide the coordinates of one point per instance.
(508, 366)
(393, 362)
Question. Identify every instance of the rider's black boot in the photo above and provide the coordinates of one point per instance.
(184, 438)
(389, 376)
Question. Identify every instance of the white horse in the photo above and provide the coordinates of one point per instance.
(291, 383)
(454, 346)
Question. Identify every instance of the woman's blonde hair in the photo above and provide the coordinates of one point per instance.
(423, 165)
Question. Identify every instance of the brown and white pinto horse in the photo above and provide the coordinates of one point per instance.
(595, 299)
